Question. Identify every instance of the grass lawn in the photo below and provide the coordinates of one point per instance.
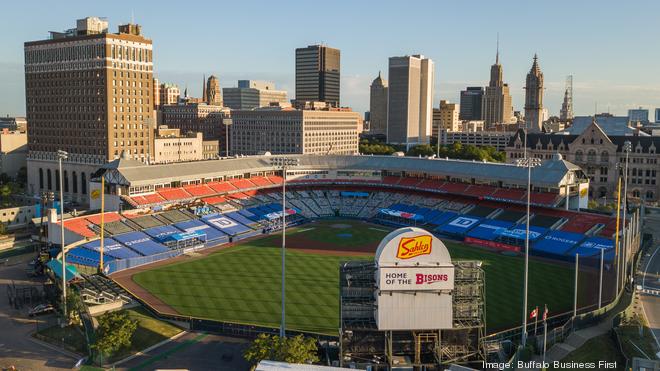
(600, 348)
(70, 337)
(150, 331)
(242, 284)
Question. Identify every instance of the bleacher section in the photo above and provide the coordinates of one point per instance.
(141, 242)
(212, 234)
(111, 248)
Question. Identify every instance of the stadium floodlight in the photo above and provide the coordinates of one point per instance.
(627, 148)
(283, 163)
(62, 155)
(527, 162)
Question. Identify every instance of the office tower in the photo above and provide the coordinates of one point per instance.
(378, 107)
(169, 94)
(212, 94)
(285, 131)
(534, 98)
(410, 99)
(317, 74)
(253, 94)
(88, 92)
(496, 105)
(638, 115)
(470, 103)
(446, 117)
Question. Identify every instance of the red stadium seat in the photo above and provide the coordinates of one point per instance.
(172, 194)
(199, 189)
(221, 187)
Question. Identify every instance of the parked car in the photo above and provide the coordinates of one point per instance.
(41, 309)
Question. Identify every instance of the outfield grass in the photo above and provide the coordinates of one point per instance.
(242, 283)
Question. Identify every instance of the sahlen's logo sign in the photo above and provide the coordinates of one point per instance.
(410, 247)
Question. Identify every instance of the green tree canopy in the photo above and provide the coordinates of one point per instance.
(114, 332)
(297, 349)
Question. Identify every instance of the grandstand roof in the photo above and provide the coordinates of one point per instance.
(550, 173)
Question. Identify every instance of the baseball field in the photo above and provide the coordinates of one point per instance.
(242, 283)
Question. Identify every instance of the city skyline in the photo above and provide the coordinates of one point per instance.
(461, 60)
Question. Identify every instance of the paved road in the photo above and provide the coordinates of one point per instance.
(651, 300)
(651, 278)
(16, 347)
(193, 351)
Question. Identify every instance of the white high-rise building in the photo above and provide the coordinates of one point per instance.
(410, 100)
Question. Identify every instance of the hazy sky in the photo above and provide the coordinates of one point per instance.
(611, 47)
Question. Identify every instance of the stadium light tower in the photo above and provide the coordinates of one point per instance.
(283, 163)
(528, 162)
(62, 155)
(627, 148)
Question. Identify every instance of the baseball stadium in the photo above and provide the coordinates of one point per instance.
(203, 241)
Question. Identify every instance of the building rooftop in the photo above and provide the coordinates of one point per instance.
(549, 174)
(611, 125)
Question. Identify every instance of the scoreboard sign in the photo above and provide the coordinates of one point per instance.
(417, 279)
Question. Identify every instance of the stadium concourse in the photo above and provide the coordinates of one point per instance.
(169, 209)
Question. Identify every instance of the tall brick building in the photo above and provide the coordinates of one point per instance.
(88, 92)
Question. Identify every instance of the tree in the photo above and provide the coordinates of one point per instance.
(421, 150)
(5, 192)
(114, 332)
(297, 349)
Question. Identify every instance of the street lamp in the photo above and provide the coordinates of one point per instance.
(627, 147)
(528, 162)
(62, 155)
(283, 163)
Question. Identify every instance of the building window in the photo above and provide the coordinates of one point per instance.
(578, 156)
(57, 180)
(604, 157)
(591, 156)
(66, 181)
(74, 182)
(83, 183)
(649, 195)
(49, 179)
(41, 178)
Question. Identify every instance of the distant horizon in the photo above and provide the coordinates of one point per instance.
(253, 41)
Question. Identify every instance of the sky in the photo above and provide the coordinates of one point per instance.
(612, 48)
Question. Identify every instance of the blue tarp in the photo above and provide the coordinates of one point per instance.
(353, 194)
(489, 229)
(225, 224)
(141, 242)
(518, 232)
(56, 267)
(80, 255)
(240, 218)
(443, 218)
(459, 225)
(557, 243)
(162, 232)
(211, 233)
(112, 248)
(592, 246)
(183, 236)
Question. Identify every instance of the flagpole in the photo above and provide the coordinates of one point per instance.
(536, 319)
(545, 331)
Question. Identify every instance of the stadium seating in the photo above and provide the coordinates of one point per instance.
(212, 234)
(174, 194)
(489, 229)
(160, 233)
(556, 244)
(111, 248)
(225, 224)
(221, 187)
(459, 226)
(199, 190)
(141, 242)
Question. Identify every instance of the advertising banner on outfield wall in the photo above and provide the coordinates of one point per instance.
(417, 279)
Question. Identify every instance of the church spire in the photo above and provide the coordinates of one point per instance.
(204, 87)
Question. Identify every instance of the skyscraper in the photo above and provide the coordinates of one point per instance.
(87, 92)
(253, 94)
(317, 74)
(212, 94)
(534, 98)
(470, 103)
(378, 106)
(410, 100)
(496, 104)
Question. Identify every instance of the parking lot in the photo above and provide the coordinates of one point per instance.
(17, 348)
